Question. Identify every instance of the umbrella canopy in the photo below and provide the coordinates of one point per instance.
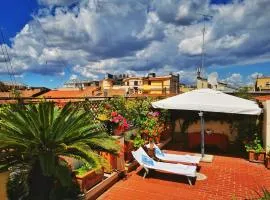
(209, 100)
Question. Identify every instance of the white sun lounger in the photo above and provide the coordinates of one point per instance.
(175, 158)
(185, 170)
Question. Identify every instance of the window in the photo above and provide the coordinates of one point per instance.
(149, 82)
(127, 83)
(135, 82)
(267, 84)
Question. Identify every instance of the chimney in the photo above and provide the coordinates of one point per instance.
(152, 75)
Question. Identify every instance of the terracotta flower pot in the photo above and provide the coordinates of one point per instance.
(111, 159)
(256, 157)
(267, 162)
(157, 139)
(118, 130)
(251, 155)
(261, 156)
(128, 147)
(89, 179)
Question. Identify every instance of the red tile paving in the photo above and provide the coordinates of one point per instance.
(227, 178)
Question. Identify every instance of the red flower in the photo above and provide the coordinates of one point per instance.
(114, 114)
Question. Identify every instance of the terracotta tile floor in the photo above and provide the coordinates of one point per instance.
(227, 178)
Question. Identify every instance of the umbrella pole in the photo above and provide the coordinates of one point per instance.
(202, 133)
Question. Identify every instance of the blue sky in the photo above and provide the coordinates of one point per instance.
(51, 41)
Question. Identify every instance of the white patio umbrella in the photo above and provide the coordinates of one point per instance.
(208, 100)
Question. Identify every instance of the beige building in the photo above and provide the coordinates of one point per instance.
(262, 84)
(133, 85)
(106, 84)
(161, 85)
(203, 83)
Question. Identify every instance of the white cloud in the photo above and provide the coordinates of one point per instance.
(255, 75)
(250, 79)
(213, 78)
(235, 79)
(57, 2)
(118, 36)
(187, 76)
(73, 76)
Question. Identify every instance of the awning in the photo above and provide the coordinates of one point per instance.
(208, 100)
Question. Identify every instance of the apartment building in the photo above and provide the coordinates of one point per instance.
(161, 85)
(262, 83)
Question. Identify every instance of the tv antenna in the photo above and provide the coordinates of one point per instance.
(205, 17)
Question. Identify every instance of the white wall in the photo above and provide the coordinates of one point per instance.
(266, 124)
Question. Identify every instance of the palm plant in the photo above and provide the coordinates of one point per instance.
(34, 137)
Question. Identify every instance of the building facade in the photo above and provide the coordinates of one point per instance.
(150, 85)
(133, 85)
(81, 84)
(262, 84)
(161, 85)
(204, 83)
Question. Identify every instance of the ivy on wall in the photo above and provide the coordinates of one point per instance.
(246, 126)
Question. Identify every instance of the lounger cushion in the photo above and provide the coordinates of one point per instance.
(158, 152)
(147, 161)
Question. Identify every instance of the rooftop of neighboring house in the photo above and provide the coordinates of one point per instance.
(132, 78)
(151, 77)
(74, 81)
(7, 83)
(263, 98)
(31, 92)
(264, 77)
(65, 93)
(115, 92)
(158, 78)
(219, 82)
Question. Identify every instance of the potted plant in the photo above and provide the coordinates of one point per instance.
(87, 177)
(70, 131)
(153, 127)
(138, 141)
(119, 123)
(267, 159)
(129, 137)
(255, 150)
(152, 130)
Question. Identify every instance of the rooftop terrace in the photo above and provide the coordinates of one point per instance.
(227, 178)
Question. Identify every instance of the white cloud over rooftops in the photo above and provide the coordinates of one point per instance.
(93, 37)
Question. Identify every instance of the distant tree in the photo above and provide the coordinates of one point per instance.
(243, 93)
(3, 87)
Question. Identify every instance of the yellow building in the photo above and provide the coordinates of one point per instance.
(150, 85)
(161, 85)
(262, 84)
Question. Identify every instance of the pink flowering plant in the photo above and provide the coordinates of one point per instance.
(153, 125)
(119, 121)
